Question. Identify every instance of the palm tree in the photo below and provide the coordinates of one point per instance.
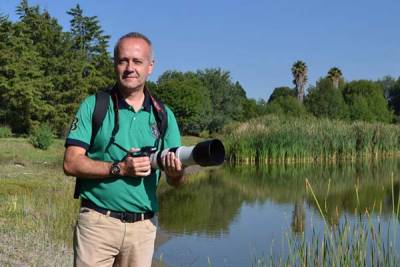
(334, 74)
(299, 71)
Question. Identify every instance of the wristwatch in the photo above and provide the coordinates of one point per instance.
(115, 169)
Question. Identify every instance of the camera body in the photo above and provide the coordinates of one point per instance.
(145, 151)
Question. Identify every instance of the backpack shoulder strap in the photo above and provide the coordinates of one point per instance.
(99, 113)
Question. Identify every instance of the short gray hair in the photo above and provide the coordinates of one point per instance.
(133, 35)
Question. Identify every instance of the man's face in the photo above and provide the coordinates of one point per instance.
(133, 64)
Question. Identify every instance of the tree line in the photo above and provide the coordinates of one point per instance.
(333, 97)
(46, 72)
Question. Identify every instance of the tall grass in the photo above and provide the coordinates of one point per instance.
(363, 240)
(350, 244)
(287, 139)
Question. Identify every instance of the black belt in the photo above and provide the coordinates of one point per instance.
(129, 217)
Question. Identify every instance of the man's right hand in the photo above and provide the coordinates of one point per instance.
(77, 164)
(135, 166)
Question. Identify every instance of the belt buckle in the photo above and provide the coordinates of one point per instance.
(131, 217)
(123, 217)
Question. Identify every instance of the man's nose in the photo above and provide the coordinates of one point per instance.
(130, 66)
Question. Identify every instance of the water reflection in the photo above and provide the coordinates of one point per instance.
(298, 217)
(206, 206)
(213, 203)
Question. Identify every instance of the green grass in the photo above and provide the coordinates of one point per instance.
(287, 139)
(20, 151)
(37, 209)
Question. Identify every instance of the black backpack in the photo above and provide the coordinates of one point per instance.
(99, 113)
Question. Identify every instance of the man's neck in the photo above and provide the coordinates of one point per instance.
(134, 98)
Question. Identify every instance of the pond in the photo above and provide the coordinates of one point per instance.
(235, 216)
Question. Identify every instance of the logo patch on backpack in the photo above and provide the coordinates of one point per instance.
(154, 130)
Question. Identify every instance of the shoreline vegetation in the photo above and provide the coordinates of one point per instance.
(274, 139)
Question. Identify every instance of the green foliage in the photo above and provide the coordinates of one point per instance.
(366, 101)
(22, 88)
(286, 105)
(226, 98)
(90, 43)
(253, 108)
(188, 98)
(205, 100)
(326, 101)
(5, 131)
(42, 137)
(283, 101)
(87, 33)
(43, 76)
(281, 92)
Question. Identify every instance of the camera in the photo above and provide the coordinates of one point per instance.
(206, 153)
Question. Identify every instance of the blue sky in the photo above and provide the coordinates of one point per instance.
(257, 41)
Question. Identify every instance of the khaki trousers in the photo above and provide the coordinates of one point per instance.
(100, 240)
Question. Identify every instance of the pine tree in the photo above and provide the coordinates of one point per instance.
(91, 43)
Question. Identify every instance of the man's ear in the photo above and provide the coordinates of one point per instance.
(151, 66)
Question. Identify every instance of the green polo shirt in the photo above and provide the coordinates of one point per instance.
(136, 130)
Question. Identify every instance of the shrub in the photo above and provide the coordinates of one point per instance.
(5, 131)
(42, 137)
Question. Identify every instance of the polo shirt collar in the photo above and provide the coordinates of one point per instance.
(123, 105)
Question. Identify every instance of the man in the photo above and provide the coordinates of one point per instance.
(118, 192)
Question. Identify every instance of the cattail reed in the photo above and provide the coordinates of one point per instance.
(273, 139)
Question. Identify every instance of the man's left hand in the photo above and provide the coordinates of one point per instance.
(173, 169)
